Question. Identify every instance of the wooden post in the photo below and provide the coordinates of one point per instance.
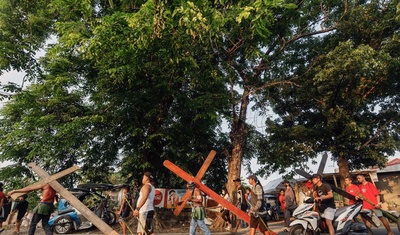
(340, 198)
(89, 215)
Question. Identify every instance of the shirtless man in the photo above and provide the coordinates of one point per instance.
(43, 210)
(198, 211)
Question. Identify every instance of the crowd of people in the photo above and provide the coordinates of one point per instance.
(140, 206)
(322, 193)
(248, 199)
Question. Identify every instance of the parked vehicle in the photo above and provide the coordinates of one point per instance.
(307, 205)
(68, 218)
(309, 222)
(273, 210)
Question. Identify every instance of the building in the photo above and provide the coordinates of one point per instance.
(387, 180)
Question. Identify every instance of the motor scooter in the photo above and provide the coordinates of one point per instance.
(307, 205)
(309, 222)
(67, 219)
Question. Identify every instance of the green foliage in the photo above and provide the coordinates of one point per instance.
(129, 84)
(345, 101)
(117, 97)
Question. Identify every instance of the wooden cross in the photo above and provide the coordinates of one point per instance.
(232, 208)
(86, 212)
(199, 175)
(47, 180)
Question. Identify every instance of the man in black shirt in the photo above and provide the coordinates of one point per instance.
(324, 195)
(21, 208)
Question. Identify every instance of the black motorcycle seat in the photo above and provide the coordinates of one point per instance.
(340, 211)
(65, 211)
(364, 212)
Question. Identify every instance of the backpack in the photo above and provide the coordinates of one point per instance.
(262, 211)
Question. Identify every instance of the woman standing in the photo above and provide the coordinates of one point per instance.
(281, 200)
(225, 212)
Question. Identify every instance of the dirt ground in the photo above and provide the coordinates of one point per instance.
(182, 228)
(164, 222)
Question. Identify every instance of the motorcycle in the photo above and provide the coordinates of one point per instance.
(309, 222)
(272, 212)
(68, 218)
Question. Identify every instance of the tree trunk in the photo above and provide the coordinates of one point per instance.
(238, 137)
(343, 164)
(343, 168)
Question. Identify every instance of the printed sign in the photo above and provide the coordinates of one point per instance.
(168, 198)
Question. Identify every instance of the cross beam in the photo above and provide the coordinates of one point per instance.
(89, 215)
(47, 180)
(199, 175)
(232, 208)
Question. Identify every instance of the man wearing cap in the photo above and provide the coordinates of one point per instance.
(290, 203)
(258, 212)
(145, 208)
(324, 195)
(239, 200)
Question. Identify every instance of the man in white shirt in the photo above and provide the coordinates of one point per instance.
(145, 208)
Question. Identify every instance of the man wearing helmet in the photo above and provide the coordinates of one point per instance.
(198, 211)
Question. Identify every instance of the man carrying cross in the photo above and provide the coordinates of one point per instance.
(43, 210)
(198, 211)
(371, 202)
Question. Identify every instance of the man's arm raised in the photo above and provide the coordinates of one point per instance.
(27, 189)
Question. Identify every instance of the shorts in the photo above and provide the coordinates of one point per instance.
(262, 221)
(122, 219)
(20, 216)
(329, 213)
(145, 222)
(377, 212)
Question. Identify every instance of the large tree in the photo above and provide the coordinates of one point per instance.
(118, 90)
(256, 60)
(132, 83)
(346, 99)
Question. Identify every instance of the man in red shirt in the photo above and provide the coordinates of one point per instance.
(351, 188)
(370, 192)
(2, 200)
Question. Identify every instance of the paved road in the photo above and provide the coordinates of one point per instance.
(278, 228)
